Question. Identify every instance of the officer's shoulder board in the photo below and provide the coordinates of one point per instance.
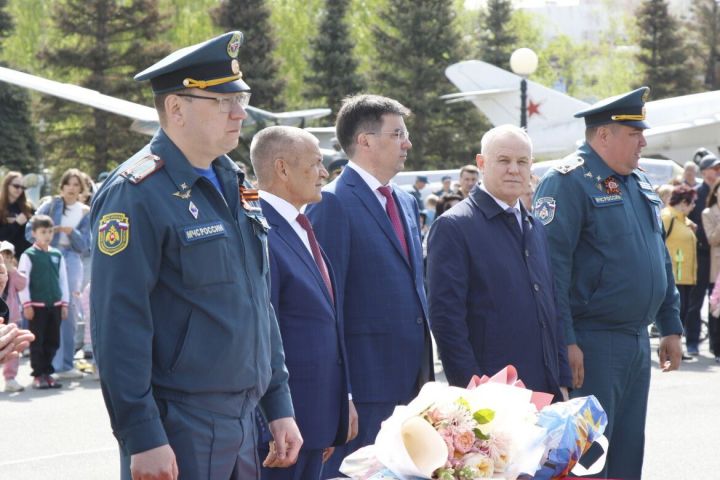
(643, 180)
(143, 168)
(568, 164)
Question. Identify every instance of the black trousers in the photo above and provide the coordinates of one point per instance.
(691, 321)
(45, 325)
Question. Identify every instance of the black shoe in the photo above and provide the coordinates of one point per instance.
(39, 383)
(51, 382)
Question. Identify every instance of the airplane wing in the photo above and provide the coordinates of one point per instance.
(145, 119)
(477, 94)
(293, 118)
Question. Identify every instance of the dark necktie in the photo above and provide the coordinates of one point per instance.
(315, 247)
(393, 213)
(513, 221)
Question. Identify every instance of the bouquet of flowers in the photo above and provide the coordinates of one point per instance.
(471, 453)
(492, 429)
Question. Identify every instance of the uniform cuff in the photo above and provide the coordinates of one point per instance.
(142, 437)
(570, 336)
(277, 405)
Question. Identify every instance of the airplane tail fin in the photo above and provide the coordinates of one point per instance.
(496, 93)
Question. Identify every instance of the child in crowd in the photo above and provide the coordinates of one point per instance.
(16, 281)
(45, 299)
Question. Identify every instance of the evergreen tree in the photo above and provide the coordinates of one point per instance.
(18, 148)
(259, 67)
(663, 51)
(497, 39)
(706, 24)
(104, 44)
(414, 46)
(332, 66)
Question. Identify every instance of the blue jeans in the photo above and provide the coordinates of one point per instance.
(63, 360)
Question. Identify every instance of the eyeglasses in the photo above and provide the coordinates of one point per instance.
(400, 135)
(19, 187)
(225, 103)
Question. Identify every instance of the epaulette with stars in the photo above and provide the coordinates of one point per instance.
(569, 164)
(143, 168)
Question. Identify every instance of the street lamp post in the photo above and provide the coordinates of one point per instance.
(523, 62)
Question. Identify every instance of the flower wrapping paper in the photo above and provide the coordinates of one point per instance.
(428, 437)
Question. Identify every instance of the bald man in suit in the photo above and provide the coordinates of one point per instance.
(288, 165)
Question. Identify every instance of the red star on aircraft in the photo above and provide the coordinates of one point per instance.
(533, 108)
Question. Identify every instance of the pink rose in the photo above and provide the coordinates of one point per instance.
(464, 441)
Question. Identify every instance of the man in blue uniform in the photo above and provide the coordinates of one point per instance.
(288, 165)
(612, 272)
(490, 287)
(185, 336)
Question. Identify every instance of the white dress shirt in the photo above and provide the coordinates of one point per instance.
(289, 213)
(515, 208)
(371, 182)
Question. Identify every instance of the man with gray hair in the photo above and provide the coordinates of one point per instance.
(288, 165)
(490, 286)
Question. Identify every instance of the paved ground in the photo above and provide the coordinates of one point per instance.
(65, 434)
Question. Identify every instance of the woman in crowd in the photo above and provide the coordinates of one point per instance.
(446, 202)
(15, 211)
(711, 223)
(680, 240)
(72, 238)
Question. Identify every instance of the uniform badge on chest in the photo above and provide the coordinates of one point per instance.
(612, 186)
(193, 210)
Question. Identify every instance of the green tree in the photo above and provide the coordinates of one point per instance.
(706, 24)
(663, 51)
(187, 23)
(18, 148)
(332, 66)
(104, 44)
(259, 67)
(293, 21)
(414, 46)
(497, 37)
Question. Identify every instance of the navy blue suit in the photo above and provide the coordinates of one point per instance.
(383, 299)
(491, 296)
(314, 352)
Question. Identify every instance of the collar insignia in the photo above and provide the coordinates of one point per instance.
(184, 195)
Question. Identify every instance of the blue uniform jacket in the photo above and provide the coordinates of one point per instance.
(491, 296)
(80, 236)
(612, 269)
(312, 336)
(384, 307)
(183, 311)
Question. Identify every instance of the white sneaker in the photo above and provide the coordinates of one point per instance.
(12, 386)
(69, 374)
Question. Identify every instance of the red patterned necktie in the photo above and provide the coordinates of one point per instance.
(315, 247)
(393, 213)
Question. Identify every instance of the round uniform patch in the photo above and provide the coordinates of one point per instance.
(544, 209)
(233, 46)
(113, 233)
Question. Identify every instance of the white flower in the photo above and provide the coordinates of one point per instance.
(499, 450)
(481, 462)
